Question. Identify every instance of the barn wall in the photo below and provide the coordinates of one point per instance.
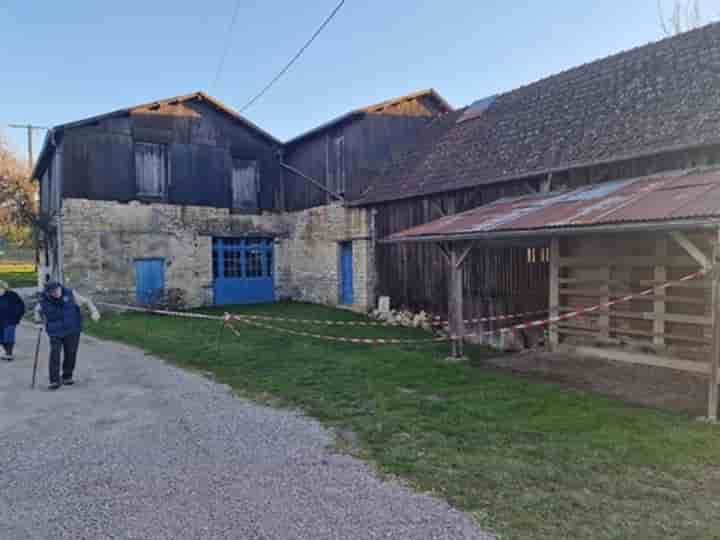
(103, 239)
(674, 322)
(370, 142)
(498, 280)
(99, 160)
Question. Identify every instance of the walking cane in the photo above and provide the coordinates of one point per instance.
(37, 353)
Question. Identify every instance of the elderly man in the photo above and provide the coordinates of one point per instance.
(12, 309)
(60, 308)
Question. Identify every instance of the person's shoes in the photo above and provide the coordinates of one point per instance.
(68, 381)
(54, 386)
(9, 357)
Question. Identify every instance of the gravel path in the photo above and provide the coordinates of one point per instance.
(140, 449)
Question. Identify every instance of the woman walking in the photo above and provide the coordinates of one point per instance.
(12, 309)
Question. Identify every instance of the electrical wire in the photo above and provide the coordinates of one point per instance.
(226, 47)
(294, 58)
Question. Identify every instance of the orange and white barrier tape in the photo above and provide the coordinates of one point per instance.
(363, 341)
(576, 313)
(255, 320)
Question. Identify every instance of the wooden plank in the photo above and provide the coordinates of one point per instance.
(639, 358)
(659, 306)
(644, 316)
(699, 283)
(554, 300)
(683, 261)
(640, 333)
(596, 293)
(692, 250)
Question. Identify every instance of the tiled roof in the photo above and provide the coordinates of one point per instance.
(655, 98)
(670, 197)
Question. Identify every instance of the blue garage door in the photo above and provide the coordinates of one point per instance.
(243, 270)
(149, 281)
(347, 296)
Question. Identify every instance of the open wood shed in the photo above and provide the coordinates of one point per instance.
(642, 253)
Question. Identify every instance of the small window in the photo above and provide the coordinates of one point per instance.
(245, 185)
(151, 169)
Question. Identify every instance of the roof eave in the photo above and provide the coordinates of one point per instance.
(549, 232)
(327, 125)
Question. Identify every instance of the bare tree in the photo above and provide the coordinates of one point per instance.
(683, 16)
(17, 195)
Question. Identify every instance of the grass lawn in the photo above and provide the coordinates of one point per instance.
(18, 275)
(526, 459)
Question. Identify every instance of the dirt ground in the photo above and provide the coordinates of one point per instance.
(635, 384)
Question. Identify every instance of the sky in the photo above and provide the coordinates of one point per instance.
(64, 61)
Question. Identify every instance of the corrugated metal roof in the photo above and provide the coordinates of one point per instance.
(667, 197)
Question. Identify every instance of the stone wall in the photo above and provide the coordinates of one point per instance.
(102, 240)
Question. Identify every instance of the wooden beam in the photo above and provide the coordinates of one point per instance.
(639, 358)
(465, 253)
(592, 332)
(644, 316)
(604, 320)
(659, 306)
(439, 208)
(629, 261)
(692, 250)
(529, 188)
(546, 185)
(455, 308)
(715, 358)
(670, 298)
(554, 300)
(444, 250)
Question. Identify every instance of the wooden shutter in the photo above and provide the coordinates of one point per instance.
(245, 185)
(151, 169)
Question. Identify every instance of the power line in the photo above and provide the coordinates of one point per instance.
(226, 47)
(294, 58)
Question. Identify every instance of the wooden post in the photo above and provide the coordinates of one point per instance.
(455, 308)
(554, 300)
(715, 359)
(604, 319)
(660, 277)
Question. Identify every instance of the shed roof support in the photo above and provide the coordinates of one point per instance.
(455, 308)
(715, 358)
(692, 250)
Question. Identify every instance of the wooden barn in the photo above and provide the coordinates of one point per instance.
(184, 199)
(650, 109)
(341, 155)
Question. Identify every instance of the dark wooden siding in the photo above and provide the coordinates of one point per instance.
(416, 275)
(370, 141)
(498, 280)
(99, 160)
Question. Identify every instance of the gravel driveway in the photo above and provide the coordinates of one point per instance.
(140, 449)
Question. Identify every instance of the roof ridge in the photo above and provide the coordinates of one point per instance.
(607, 59)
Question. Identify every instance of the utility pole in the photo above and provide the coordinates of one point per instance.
(31, 166)
(30, 129)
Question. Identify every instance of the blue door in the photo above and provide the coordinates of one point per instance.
(347, 296)
(243, 270)
(149, 281)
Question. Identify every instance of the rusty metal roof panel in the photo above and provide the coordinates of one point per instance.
(663, 197)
